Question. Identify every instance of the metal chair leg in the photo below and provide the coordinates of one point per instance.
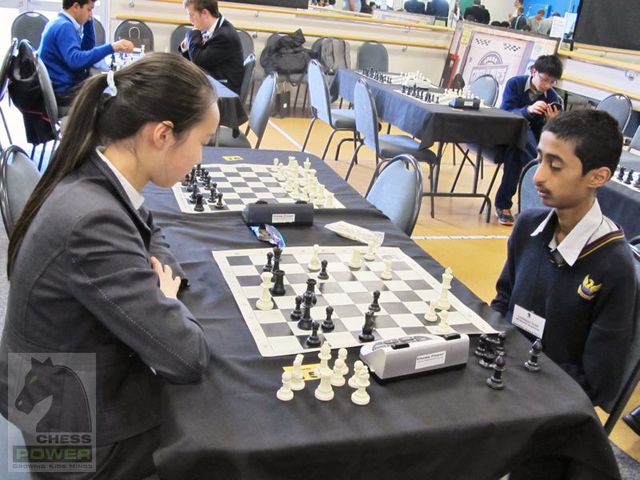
(326, 148)
(6, 126)
(33, 150)
(306, 138)
(44, 147)
(353, 161)
(295, 102)
(493, 180)
(340, 145)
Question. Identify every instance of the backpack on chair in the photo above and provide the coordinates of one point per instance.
(25, 92)
(285, 55)
(333, 54)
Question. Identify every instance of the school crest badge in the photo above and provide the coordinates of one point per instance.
(588, 288)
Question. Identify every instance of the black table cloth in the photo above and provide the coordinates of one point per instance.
(444, 425)
(436, 123)
(232, 113)
(622, 205)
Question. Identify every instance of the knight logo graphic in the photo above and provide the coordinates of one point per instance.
(490, 64)
(588, 288)
(52, 402)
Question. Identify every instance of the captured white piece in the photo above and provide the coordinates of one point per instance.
(285, 393)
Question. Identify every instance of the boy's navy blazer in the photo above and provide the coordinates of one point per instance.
(82, 282)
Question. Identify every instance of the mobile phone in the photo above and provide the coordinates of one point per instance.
(556, 106)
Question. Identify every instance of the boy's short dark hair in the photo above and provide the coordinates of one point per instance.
(67, 4)
(596, 137)
(550, 65)
(200, 5)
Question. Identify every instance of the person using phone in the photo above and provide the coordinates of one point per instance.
(533, 97)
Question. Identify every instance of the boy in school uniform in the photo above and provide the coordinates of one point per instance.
(570, 274)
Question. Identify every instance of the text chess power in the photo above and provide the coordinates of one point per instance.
(241, 184)
(402, 299)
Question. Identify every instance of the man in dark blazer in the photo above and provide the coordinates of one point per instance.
(414, 6)
(477, 13)
(438, 8)
(214, 44)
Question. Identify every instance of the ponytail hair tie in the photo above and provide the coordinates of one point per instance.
(111, 84)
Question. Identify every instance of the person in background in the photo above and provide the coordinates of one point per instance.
(68, 49)
(538, 23)
(414, 6)
(533, 97)
(214, 44)
(351, 5)
(477, 13)
(438, 8)
(519, 22)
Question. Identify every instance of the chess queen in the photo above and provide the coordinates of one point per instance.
(89, 271)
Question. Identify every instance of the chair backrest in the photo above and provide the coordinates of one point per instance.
(247, 43)
(263, 106)
(486, 88)
(49, 98)
(29, 26)
(319, 92)
(137, 32)
(374, 55)
(5, 67)
(18, 178)
(527, 194)
(396, 190)
(366, 115)
(619, 107)
(177, 36)
(247, 77)
(101, 35)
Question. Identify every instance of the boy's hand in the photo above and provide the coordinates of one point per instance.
(123, 46)
(552, 111)
(538, 108)
(168, 284)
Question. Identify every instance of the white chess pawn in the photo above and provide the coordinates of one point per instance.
(431, 315)
(337, 377)
(444, 319)
(357, 366)
(356, 261)
(324, 355)
(285, 393)
(297, 377)
(447, 277)
(342, 355)
(264, 302)
(387, 274)
(371, 252)
(360, 396)
(276, 165)
(324, 392)
(306, 164)
(281, 174)
(314, 264)
(328, 203)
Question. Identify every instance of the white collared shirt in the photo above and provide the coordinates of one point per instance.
(590, 228)
(76, 25)
(209, 33)
(134, 196)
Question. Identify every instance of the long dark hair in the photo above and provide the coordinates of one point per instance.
(159, 87)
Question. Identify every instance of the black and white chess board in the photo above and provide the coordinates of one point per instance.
(241, 184)
(403, 299)
(627, 177)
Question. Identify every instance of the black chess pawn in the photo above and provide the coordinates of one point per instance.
(375, 306)
(311, 285)
(212, 196)
(499, 347)
(305, 321)
(327, 324)
(194, 193)
(621, 173)
(296, 314)
(629, 178)
(269, 266)
(207, 183)
(367, 328)
(219, 205)
(191, 185)
(313, 340)
(481, 349)
(532, 364)
(489, 357)
(199, 207)
(277, 290)
(495, 381)
(323, 275)
(185, 182)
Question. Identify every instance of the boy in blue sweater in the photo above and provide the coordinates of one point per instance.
(68, 48)
(533, 97)
(570, 275)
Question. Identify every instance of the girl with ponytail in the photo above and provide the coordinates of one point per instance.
(89, 272)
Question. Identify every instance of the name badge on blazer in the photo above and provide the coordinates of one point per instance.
(528, 321)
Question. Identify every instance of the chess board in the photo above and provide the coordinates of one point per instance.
(402, 299)
(628, 178)
(244, 183)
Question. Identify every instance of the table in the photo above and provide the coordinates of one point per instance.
(439, 123)
(444, 425)
(622, 205)
(232, 113)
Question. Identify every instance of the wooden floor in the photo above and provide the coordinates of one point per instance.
(457, 237)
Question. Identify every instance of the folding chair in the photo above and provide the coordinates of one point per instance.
(18, 178)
